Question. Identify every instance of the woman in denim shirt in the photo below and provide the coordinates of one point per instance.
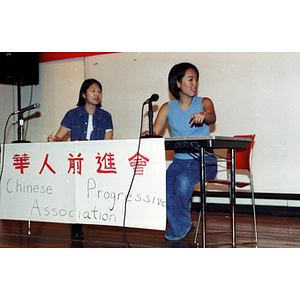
(88, 121)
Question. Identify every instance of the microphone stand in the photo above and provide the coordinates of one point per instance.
(20, 120)
(150, 116)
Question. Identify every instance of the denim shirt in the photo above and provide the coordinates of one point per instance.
(76, 120)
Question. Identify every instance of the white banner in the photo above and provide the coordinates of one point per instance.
(85, 182)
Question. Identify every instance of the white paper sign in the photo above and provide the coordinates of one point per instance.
(85, 182)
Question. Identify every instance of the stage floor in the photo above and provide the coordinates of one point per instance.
(273, 232)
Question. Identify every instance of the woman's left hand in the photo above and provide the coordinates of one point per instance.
(198, 118)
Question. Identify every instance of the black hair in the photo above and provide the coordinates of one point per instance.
(176, 74)
(85, 85)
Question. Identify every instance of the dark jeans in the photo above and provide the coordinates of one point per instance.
(181, 176)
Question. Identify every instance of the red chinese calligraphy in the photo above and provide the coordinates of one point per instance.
(45, 164)
(141, 162)
(75, 164)
(21, 162)
(106, 163)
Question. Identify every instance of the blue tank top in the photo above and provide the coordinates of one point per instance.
(178, 121)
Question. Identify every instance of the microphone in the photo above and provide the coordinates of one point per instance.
(32, 106)
(153, 98)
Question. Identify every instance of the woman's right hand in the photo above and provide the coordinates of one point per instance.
(145, 133)
(52, 138)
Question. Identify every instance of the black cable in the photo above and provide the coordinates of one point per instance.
(3, 148)
(133, 177)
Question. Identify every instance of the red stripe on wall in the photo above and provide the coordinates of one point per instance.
(50, 56)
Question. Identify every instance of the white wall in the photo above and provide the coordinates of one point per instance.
(252, 92)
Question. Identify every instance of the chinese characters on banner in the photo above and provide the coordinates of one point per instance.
(85, 182)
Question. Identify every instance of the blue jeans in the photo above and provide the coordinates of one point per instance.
(181, 177)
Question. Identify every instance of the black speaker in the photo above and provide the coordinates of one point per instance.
(19, 68)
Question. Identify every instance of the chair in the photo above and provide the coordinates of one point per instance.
(243, 159)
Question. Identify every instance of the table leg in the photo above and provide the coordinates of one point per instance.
(203, 194)
(232, 195)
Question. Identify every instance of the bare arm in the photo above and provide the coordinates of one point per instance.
(61, 133)
(160, 121)
(208, 116)
(109, 135)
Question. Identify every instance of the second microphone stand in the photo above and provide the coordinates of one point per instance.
(150, 116)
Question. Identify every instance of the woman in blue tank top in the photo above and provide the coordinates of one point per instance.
(187, 115)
